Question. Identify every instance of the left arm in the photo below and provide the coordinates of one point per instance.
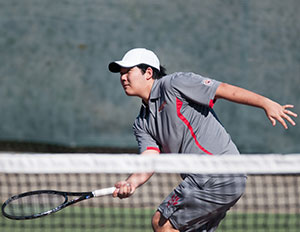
(274, 111)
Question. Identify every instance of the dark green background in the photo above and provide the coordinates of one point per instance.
(55, 87)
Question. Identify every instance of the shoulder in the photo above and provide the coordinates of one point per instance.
(186, 76)
(169, 80)
(190, 79)
(177, 81)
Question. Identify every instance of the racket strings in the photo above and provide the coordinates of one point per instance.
(33, 204)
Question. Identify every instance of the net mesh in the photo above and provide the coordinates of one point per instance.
(271, 201)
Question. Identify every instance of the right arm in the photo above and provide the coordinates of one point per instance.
(127, 187)
(274, 111)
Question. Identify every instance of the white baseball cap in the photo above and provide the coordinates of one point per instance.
(135, 57)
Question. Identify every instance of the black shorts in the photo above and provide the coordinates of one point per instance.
(200, 202)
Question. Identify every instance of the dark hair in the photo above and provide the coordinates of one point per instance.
(157, 74)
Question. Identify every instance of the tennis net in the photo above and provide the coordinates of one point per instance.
(271, 201)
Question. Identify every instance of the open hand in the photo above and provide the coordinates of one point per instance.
(276, 112)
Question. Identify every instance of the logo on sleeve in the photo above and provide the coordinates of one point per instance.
(207, 82)
(162, 106)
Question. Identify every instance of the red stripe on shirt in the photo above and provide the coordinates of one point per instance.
(153, 148)
(187, 123)
(211, 103)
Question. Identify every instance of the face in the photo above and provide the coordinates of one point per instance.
(132, 80)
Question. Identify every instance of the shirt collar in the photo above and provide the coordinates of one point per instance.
(155, 94)
(155, 91)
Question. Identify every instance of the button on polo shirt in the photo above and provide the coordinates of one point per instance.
(179, 117)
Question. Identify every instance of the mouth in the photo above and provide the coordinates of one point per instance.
(125, 86)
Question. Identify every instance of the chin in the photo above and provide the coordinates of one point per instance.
(128, 93)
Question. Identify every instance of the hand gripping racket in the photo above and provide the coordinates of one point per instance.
(35, 204)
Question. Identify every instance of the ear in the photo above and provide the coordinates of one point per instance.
(149, 73)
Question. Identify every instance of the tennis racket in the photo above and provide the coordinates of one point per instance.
(35, 204)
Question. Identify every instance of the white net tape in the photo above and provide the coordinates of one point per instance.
(165, 163)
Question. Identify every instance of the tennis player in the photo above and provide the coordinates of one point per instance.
(176, 116)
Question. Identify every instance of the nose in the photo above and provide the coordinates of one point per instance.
(123, 76)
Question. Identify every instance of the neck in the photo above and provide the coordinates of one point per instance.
(147, 91)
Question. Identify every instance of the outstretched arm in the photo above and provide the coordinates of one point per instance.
(127, 187)
(274, 111)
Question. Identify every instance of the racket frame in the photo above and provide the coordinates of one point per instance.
(81, 196)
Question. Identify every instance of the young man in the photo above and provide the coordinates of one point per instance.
(176, 116)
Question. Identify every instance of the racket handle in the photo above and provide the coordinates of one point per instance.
(104, 192)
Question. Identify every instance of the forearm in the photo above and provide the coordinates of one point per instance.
(127, 188)
(241, 96)
(138, 179)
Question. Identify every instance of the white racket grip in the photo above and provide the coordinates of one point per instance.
(104, 192)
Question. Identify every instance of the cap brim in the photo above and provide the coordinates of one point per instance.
(116, 66)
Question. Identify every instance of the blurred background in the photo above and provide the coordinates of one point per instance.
(56, 94)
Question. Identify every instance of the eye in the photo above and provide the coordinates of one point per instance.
(124, 71)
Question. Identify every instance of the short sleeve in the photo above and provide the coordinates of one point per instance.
(144, 139)
(197, 88)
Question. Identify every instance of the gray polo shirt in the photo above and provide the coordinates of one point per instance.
(179, 118)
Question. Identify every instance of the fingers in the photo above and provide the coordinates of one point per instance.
(273, 121)
(283, 123)
(284, 115)
(123, 190)
(115, 193)
(288, 118)
(288, 111)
